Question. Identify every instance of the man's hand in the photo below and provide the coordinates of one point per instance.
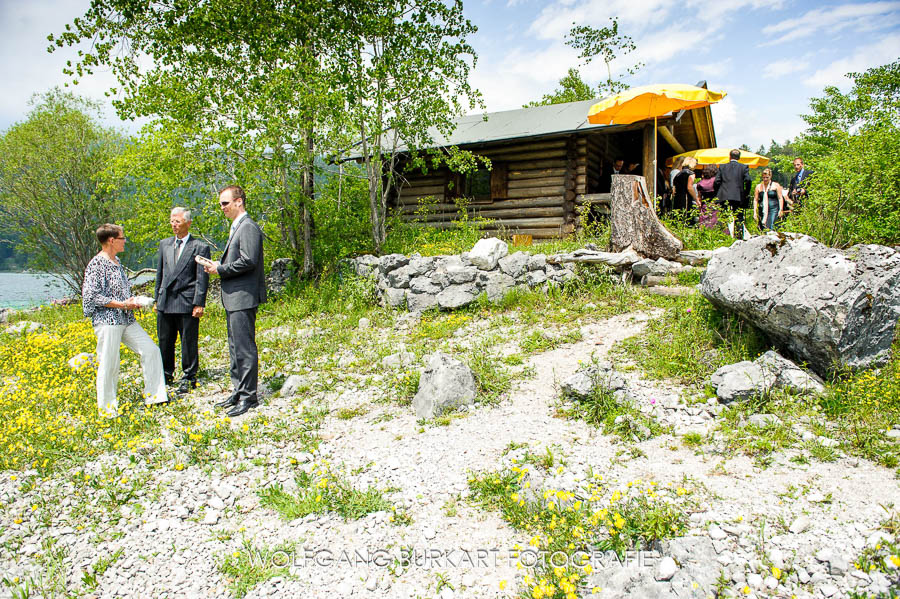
(197, 312)
(212, 268)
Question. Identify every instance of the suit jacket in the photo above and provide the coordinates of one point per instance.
(797, 182)
(181, 285)
(733, 183)
(242, 269)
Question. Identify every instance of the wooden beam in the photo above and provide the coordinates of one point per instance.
(670, 138)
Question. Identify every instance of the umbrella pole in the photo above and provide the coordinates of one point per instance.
(654, 163)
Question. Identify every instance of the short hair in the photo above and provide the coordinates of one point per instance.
(237, 192)
(183, 211)
(709, 171)
(798, 158)
(619, 159)
(107, 231)
(734, 154)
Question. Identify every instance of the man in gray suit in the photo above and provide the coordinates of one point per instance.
(243, 289)
(181, 286)
(732, 185)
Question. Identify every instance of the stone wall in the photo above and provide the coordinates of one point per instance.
(449, 282)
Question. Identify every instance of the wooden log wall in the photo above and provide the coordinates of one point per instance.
(540, 190)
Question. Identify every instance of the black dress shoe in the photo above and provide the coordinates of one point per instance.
(228, 403)
(242, 407)
(185, 386)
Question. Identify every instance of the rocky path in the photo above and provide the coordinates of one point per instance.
(809, 521)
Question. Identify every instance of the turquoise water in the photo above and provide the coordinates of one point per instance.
(26, 290)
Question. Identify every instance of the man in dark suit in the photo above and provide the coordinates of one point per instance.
(243, 289)
(181, 286)
(797, 186)
(732, 185)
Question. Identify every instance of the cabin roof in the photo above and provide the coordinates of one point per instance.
(535, 121)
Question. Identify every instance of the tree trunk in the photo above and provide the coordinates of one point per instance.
(308, 195)
(633, 221)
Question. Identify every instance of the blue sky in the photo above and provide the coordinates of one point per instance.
(771, 56)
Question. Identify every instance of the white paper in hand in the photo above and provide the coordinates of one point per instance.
(143, 301)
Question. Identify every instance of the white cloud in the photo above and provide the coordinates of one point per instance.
(883, 51)
(780, 68)
(867, 16)
(28, 68)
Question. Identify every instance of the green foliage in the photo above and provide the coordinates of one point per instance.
(322, 492)
(340, 214)
(324, 77)
(691, 340)
(617, 416)
(51, 201)
(574, 522)
(572, 88)
(853, 146)
(166, 167)
(251, 565)
(864, 405)
(608, 44)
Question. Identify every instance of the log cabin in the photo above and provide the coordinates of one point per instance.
(546, 163)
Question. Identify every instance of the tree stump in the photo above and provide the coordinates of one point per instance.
(633, 221)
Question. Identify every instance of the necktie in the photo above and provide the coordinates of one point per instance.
(178, 243)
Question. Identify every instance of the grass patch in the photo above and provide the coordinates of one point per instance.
(247, 567)
(539, 341)
(616, 415)
(758, 442)
(863, 406)
(691, 340)
(593, 517)
(323, 492)
(350, 413)
(884, 557)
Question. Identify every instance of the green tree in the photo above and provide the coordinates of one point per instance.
(853, 146)
(608, 44)
(572, 88)
(244, 78)
(271, 84)
(403, 69)
(50, 193)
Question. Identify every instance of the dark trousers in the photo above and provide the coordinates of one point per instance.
(738, 219)
(244, 357)
(168, 327)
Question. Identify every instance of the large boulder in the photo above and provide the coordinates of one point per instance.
(487, 252)
(827, 307)
(445, 384)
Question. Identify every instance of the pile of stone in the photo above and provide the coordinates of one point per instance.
(449, 282)
(648, 272)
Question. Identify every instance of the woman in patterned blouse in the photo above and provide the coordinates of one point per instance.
(107, 301)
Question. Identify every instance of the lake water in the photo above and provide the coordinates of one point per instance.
(25, 290)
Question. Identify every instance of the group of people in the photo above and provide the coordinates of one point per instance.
(729, 185)
(182, 280)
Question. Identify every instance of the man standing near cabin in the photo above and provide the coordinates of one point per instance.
(797, 186)
(733, 186)
(180, 293)
(243, 289)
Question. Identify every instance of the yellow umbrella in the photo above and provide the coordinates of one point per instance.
(650, 102)
(720, 156)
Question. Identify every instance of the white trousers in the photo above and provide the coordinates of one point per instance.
(135, 338)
